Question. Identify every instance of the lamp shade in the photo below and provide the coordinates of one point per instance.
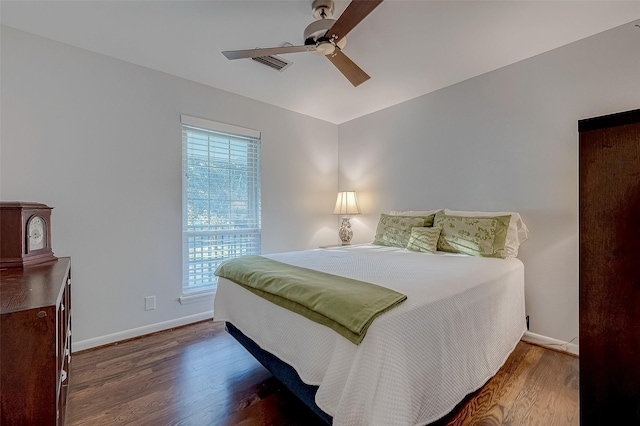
(346, 203)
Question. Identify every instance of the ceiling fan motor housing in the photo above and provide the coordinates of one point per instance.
(314, 34)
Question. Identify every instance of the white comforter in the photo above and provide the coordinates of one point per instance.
(462, 318)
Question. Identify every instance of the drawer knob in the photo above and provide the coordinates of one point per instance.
(42, 314)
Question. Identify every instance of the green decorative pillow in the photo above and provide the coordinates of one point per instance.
(395, 231)
(428, 220)
(477, 236)
(428, 215)
(424, 240)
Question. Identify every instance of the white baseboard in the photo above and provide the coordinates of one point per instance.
(545, 341)
(82, 345)
(140, 331)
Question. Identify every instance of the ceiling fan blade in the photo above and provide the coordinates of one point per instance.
(352, 15)
(258, 52)
(348, 68)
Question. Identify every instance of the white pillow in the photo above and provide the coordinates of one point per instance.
(414, 212)
(516, 234)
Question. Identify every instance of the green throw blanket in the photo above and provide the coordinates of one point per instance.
(345, 305)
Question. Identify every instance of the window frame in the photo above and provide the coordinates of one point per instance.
(190, 295)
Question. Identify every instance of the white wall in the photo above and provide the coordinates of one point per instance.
(506, 140)
(100, 140)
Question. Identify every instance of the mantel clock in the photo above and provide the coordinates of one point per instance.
(25, 234)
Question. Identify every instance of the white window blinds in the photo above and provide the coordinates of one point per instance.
(221, 198)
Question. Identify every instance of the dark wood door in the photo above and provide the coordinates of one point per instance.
(610, 269)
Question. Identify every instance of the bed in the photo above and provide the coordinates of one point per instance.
(462, 317)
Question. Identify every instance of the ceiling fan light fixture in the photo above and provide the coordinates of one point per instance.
(325, 48)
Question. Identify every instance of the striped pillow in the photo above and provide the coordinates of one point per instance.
(394, 231)
(424, 240)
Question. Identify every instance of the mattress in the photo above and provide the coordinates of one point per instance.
(462, 318)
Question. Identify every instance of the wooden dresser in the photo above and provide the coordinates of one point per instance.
(35, 343)
(610, 270)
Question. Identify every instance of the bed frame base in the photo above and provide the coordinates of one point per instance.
(281, 371)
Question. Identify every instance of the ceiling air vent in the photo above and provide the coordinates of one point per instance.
(273, 61)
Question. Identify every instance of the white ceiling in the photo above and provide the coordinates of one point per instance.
(409, 48)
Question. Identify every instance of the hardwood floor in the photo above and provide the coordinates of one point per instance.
(199, 375)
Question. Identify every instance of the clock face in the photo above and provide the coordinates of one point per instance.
(36, 231)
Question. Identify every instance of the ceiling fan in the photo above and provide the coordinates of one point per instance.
(325, 36)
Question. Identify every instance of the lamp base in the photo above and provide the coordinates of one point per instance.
(345, 232)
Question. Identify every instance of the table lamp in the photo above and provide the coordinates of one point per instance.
(346, 205)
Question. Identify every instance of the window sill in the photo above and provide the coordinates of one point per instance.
(186, 299)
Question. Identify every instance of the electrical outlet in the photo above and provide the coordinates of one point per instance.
(149, 303)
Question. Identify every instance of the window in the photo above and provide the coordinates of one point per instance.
(221, 198)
